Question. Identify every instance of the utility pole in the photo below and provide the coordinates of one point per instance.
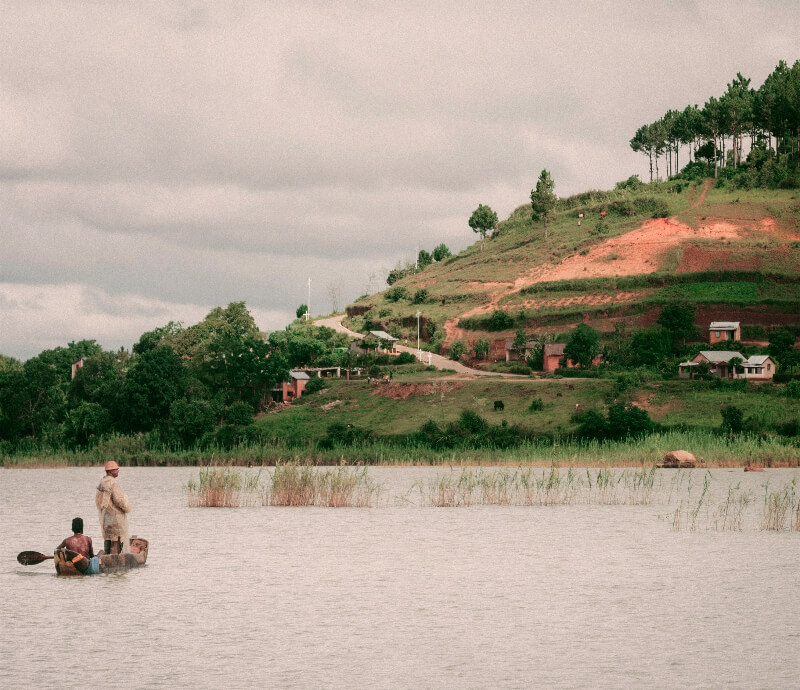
(419, 354)
(308, 303)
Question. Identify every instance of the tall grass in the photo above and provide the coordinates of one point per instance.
(223, 486)
(527, 486)
(715, 449)
(781, 508)
(302, 485)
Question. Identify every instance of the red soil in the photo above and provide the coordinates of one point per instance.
(634, 253)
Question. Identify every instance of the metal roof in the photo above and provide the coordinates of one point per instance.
(721, 356)
(723, 326)
(301, 375)
(383, 335)
(757, 359)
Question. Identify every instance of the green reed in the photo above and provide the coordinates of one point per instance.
(729, 513)
(302, 485)
(781, 508)
(223, 486)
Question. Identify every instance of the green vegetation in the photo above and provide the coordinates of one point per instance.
(543, 200)
(765, 115)
(483, 220)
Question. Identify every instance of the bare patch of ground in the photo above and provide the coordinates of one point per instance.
(696, 259)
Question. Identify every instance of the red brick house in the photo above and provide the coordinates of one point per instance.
(720, 331)
(290, 390)
(553, 355)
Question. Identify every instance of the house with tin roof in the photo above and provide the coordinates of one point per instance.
(754, 368)
(720, 331)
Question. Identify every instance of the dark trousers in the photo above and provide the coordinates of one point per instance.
(113, 546)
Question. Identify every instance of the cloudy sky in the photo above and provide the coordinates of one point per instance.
(158, 159)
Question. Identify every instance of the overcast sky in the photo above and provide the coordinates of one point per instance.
(160, 159)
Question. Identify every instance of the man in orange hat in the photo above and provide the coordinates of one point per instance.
(113, 506)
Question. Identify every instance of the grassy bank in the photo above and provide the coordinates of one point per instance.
(715, 449)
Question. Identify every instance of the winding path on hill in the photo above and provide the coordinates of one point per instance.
(634, 253)
(335, 322)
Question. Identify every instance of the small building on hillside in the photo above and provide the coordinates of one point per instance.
(755, 368)
(720, 331)
(553, 358)
(519, 354)
(290, 390)
(379, 342)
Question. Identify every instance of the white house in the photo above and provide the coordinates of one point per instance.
(755, 368)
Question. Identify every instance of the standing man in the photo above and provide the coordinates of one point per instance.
(113, 506)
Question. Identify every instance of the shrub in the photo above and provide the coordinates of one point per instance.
(732, 419)
(521, 369)
(239, 414)
(536, 405)
(405, 358)
(792, 390)
(420, 296)
(395, 294)
(316, 384)
(500, 321)
(457, 349)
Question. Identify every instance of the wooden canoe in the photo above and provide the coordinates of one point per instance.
(109, 562)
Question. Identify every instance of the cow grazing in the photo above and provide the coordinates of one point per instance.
(498, 405)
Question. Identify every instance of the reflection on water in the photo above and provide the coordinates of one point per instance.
(577, 594)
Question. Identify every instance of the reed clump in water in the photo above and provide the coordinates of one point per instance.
(529, 487)
(729, 513)
(688, 511)
(302, 485)
(223, 486)
(781, 508)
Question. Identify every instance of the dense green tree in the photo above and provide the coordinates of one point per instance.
(190, 420)
(543, 199)
(781, 349)
(650, 346)
(582, 345)
(155, 380)
(678, 321)
(86, 423)
(483, 220)
(441, 252)
(424, 259)
(301, 311)
(9, 364)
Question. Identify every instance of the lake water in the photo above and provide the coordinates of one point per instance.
(401, 595)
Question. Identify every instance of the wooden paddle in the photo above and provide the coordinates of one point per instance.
(31, 557)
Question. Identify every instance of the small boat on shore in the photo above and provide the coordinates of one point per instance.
(107, 562)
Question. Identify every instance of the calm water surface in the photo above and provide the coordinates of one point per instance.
(400, 595)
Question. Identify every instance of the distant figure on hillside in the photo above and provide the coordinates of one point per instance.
(113, 506)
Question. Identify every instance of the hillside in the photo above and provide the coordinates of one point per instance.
(735, 254)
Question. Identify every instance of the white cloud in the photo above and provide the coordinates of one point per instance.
(202, 153)
(54, 315)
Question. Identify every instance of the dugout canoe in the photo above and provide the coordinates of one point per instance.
(108, 562)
